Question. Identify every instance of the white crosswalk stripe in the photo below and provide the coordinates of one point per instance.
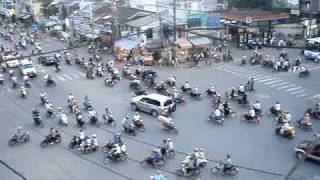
(273, 82)
(61, 78)
(315, 96)
(297, 92)
(76, 76)
(280, 84)
(286, 86)
(262, 77)
(67, 76)
(265, 80)
(81, 74)
(293, 89)
(302, 95)
(250, 75)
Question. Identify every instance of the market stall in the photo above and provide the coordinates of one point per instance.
(182, 49)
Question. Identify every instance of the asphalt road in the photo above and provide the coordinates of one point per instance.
(251, 145)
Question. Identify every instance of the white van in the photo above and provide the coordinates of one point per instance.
(27, 68)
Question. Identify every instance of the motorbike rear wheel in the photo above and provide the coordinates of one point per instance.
(11, 142)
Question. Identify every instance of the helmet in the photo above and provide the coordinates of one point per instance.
(257, 101)
(196, 149)
(118, 134)
(136, 113)
(201, 149)
(228, 156)
(168, 139)
(51, 128)
(19, 128)
(80, 130)
(94, 135)
(277, 102)
(127, 117)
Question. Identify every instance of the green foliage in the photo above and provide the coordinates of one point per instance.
(47, 9)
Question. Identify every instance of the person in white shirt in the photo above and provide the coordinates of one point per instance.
(252, 113)
(241, 88)
(81, 135)
(217, 114)
(257, 106)
(277, 107)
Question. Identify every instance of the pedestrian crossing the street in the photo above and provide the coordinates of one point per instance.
(265, 79)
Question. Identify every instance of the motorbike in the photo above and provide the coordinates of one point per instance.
(50, 82)
(303, 74)
(150, 161)
(88, 149)
(304, 126)
(218, 120)
(68, 61)
(110, 157)
(170, 126)
(170, 83)
(186, 90)
(75, 142)
(27, 84)
(109, 82)
(94, 120)
(130, 130)
(166, 152)
(192, 172)
(139, 125)
(196, 95)
(134, 85)
(38, 121)
(79, 119)
(50, 140)
(14, 140)
(274, 112)
(63, 119)
(87, 105)
(179, 99)
(49, 112)
(289, 132)
(250, 119)
(219, 169)
(210, 92)
(90, 75)
(109, 120)
(23, 93)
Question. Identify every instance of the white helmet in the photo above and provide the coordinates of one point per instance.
(94, 135)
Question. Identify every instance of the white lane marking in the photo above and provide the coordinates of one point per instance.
(286, 86)
(81, 74)
(250, 75)
(279, 84)
(297, 92)
(313, 68)
(293, 89)
(315, 96)
(67, 76)
(262, 77)
(61, 78)
(302, 95)
(76, 76)
(265, 80)
(273, 82)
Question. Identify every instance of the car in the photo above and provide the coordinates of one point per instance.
(46, 60)
(308, 150)
(11, 60)
(27, 68)
(155, 104)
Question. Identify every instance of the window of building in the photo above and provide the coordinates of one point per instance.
(196, 22)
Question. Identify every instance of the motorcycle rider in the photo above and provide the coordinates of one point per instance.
(251, 115)
(186, 86)
(172, 80)
(43, 96)
(257, 107)
(241, 89)
(306, 120)
(276, 108)
(53, 135)
(19, 132)
(226, 108)
(81, 135)
(23, 90)
(217, 114)
(116, 139)
(136, 117)
(127, 123)
(288, 117)
(227, 163)
(26, 79)
(116, 151)
(156, 155)
(212, 89)
(194, 91)
(92, 113)
(243, 99)
(94, 141)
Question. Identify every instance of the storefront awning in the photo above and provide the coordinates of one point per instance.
(200, 41)
(183, 43)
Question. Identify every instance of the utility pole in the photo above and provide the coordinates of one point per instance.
(174, 31)
(115, 23)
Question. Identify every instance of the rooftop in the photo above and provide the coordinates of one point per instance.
(254, 14)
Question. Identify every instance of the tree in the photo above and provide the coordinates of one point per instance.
(47, 9)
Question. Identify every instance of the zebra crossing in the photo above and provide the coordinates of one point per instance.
(268, 80)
